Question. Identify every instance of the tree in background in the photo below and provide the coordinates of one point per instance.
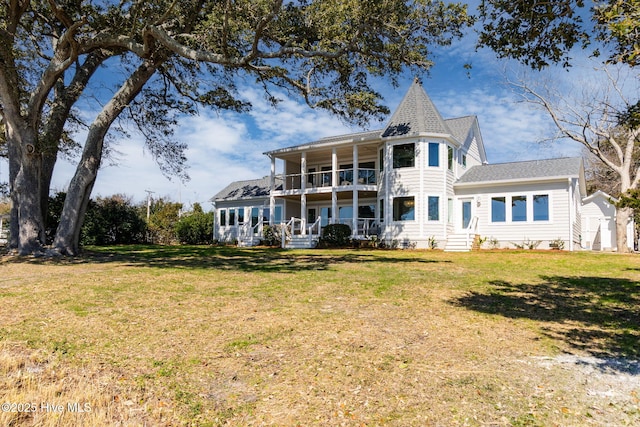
(164, 217)
(597, 120)
(607, 122)
(112, 220)
(182, 54)
(195, 227)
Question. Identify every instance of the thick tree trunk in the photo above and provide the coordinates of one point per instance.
(67, 237)
(14, 167)
(27, 226)
(623, 215)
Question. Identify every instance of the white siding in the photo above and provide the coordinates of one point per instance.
(598, 228)
(419, 182)
(228, 232)
(509, 232)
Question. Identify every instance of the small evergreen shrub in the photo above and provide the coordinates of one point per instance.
(270, 236)
(336, 235)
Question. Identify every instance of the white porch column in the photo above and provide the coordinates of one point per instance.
(388, 205)
(303, 197)
(354, 222)
(303, 171)
(272, 188)
(303, 213)
(284, 177)
(334, 185)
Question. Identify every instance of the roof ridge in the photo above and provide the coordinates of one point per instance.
(532, 160)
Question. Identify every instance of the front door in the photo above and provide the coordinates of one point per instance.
(466, 213)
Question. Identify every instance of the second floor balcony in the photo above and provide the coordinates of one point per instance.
(346, 179)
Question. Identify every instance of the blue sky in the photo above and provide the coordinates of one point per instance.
(224, 146)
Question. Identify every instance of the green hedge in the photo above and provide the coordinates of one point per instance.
(336, 235)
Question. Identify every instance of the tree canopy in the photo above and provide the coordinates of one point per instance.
(542, 33)
(171, 57)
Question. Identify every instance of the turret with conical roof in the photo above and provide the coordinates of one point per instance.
(416, 114)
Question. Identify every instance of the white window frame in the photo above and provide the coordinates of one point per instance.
(529, 200)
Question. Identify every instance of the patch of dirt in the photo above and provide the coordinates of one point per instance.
(606, 391)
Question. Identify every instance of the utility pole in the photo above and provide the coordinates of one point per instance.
(149, 193)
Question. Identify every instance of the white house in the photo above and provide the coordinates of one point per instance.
(421, 181)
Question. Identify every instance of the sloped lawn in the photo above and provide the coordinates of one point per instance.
(144, 335)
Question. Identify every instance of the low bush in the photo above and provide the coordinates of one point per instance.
(336, 235)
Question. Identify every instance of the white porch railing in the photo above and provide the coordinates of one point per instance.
(317, 226)
(472, 228)
(324, 179)
(296, 226)
(366, 226)
(248, 233)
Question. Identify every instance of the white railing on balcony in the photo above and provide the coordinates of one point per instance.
(324, 179)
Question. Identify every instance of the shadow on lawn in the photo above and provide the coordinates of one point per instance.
(595, 314)
(227, 258)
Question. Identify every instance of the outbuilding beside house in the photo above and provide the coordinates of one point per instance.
(599, 223)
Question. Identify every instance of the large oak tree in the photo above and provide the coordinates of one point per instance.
(172, 55)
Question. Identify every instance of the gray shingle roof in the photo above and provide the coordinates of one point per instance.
(247, 189)
(563, 167)
(416, 114)
(460, 127)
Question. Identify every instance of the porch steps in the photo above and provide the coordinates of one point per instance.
(458, 243)
(301, 242)
(247, 242)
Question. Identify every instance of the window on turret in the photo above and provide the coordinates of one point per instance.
(404, 209)
(434, 154)
(404, 156)
(434, 208)
(450, 158)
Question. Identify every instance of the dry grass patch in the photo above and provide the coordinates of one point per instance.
(223, 336)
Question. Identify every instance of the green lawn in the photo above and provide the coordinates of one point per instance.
(147, 335)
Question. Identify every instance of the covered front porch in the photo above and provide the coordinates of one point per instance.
(331, 182)
(308, 213)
